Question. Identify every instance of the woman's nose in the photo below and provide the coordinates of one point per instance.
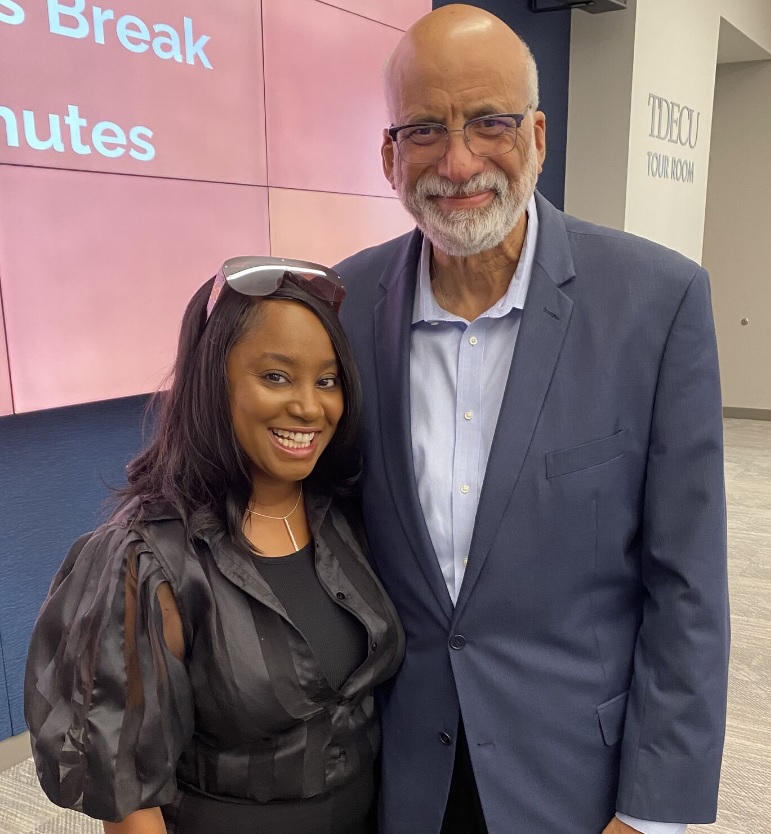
(306, 404)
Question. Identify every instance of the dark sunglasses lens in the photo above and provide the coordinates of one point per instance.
(255, 276)
(326, 289)
(256, 282)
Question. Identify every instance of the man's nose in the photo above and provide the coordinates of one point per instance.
(459, 164)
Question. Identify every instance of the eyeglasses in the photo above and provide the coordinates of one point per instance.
(254, 275)
(427, 142)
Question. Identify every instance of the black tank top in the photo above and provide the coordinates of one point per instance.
(334, 635)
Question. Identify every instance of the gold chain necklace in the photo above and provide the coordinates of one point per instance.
(284, 518)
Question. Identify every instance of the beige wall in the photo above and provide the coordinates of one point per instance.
(737, 235)
(667, 48)
(601, 51)
(675, 54)
(753, 17)
(671, 48)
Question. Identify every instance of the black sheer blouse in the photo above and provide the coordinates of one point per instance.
(118, 722)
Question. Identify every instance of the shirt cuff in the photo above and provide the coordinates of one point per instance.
(648, 827)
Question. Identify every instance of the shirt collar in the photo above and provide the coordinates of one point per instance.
(427, 309)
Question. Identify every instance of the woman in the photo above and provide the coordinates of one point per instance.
(205, 661)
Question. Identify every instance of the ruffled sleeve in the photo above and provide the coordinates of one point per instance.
(108, 705)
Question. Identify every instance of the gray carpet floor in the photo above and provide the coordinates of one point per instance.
(745, 793)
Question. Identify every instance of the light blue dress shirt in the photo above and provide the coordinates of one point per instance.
(458, 373)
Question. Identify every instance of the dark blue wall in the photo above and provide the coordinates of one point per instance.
(54, 468)
(548, 35)
(53, 464)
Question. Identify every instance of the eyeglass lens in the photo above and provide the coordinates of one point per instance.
(484, 137)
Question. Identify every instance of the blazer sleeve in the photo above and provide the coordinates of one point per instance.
(109, 707)
(675, 723)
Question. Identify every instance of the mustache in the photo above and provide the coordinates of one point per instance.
(432, 185)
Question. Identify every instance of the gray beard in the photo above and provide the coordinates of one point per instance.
(466, 232)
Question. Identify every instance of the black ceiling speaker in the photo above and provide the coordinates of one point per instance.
(591, 6)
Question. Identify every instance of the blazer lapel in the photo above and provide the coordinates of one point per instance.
(541, 334)
(393, 323)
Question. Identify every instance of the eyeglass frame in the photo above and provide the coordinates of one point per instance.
(393, 133)
(282, 267)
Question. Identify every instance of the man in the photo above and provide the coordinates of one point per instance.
(543, 484)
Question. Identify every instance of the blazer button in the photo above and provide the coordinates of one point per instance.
(373, 646)
(340, 595)
(457, 641)
(445, 738)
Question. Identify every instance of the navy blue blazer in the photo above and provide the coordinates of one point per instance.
(588, 649)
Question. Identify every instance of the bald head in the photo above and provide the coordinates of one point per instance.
(459, 46)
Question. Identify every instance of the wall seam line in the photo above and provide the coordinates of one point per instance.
(265, 119)
(265, 185)
(8, 360)
(362, 16)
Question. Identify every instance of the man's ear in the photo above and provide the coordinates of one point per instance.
(387, 155)
(539, 132)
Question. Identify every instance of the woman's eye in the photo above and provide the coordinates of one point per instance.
(328, 382)
(275, 376)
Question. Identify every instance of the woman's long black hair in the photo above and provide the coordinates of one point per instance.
(194, 461)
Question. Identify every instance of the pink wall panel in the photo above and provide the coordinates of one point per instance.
(328, 227)
(399, 13)
(128, 108)
(6, 398)
(323, 97)
(97, 269)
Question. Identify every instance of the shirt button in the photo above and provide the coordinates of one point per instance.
(465, 488)
(433, 323)
(469, 415)
(445, 738)
(473, 340)
(465, 561)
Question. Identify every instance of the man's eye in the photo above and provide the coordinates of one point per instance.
(492, 124)
(422, 134)
(494, 127)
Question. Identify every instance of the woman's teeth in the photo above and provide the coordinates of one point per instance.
(294, 439)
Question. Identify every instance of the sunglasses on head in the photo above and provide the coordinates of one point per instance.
(255, 275)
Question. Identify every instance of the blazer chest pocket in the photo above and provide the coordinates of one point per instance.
(585, 456)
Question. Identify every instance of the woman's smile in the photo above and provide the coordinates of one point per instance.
(296, 442)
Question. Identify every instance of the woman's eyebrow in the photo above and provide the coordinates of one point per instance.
(279, 357)
(288, 360)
